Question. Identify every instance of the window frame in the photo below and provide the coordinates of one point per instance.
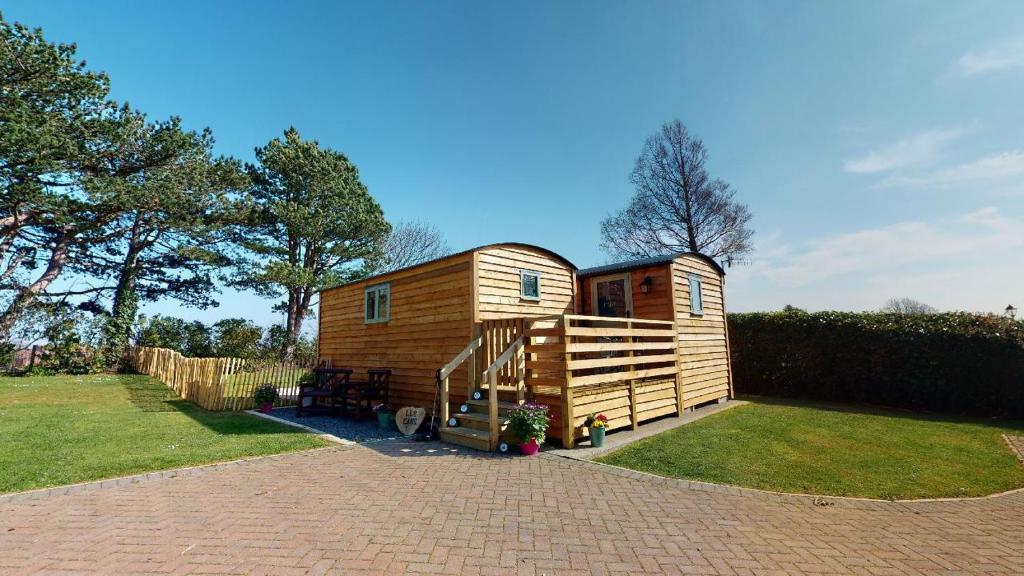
(696, 288)
(523, 273)
(377, 290)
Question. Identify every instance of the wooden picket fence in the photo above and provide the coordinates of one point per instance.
(218, 383)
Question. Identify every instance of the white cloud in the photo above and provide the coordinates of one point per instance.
(1005, 56)
(917, 150)
(968, 262)
(1000, 173)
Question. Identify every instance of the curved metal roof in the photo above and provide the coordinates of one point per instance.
(642, 262)
(551, 253)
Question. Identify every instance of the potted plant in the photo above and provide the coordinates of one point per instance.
(529, 423)
(597, 424)
(265, 397)
(383, 412)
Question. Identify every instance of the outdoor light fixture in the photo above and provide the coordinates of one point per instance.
(645, 286)
(1011, 312)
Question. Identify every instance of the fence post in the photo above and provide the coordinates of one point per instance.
(568, 430)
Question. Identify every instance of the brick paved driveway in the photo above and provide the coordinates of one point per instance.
(397, 508)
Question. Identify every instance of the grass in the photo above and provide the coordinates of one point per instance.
(243, 383)
(67, 429)
(835, 450)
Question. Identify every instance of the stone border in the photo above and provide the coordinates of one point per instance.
(1016, 444)
(622, 438)
(68, 489)
(318, 433)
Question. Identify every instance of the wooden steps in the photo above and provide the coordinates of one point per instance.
(503, 407)
(478, 420)
(468, 437)
(473, 429)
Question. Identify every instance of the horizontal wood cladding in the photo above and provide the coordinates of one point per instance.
(655, 397)
(703, 351)
(430, 322)
(498, 283)
(655, 305)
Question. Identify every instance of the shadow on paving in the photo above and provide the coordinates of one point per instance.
(389, 443)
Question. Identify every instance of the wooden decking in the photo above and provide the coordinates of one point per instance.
(626, 368)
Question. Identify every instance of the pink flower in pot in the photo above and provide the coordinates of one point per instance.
(529, 422)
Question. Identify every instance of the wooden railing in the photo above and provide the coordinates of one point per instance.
(586, 354)
(444, 373)
(515, 351)
(218, 383)
(506, 372)
(498, 335)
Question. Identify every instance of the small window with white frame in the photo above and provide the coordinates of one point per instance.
(696, 298)
(377, 299)
(529, 285)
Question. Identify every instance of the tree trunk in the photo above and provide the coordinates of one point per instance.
(118, 331)
(27, 295)
(299, 300)
(293, 325)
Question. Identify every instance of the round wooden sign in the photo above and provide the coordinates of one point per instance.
(409, 419)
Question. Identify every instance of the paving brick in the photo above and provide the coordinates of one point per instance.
(396, 508)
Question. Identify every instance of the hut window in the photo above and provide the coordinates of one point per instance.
(696, 299)
(378, 303)
(529, 285)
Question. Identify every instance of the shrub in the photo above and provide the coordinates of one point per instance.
(266, 394)
(529, 421)
(953, 362)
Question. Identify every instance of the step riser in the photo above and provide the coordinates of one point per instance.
(477, 425)
(467, 441)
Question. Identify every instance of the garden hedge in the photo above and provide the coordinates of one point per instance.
(956, 363)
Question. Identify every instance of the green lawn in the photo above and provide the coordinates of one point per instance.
(834, 450)
(66, 429)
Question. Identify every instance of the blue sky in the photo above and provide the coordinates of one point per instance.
(879, 145)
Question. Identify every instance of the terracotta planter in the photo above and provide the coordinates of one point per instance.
(597, 437)
(266, 407)
(529, 448)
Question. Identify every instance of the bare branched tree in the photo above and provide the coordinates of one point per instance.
(408, 244)
(677, 206)
(907, 306)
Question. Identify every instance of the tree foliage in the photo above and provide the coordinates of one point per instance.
(227, 338)
(237, 338)
(312, 224)
(907, 306)
(93, 187)
(171, 206)
(408, 244)
(677, 206)
(193, 339)
(54, 117)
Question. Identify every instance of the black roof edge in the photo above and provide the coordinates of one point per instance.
(643, 262)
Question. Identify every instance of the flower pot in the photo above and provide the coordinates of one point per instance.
(384, 421)
(529, 448)
(597, 437)
(266, 407)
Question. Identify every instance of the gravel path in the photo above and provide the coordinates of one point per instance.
(344, 428)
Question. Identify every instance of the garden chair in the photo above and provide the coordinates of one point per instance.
(365, 395)
(330, 385)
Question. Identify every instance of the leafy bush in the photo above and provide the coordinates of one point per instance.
(953, 362)
(266, 394)
(529, 421)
